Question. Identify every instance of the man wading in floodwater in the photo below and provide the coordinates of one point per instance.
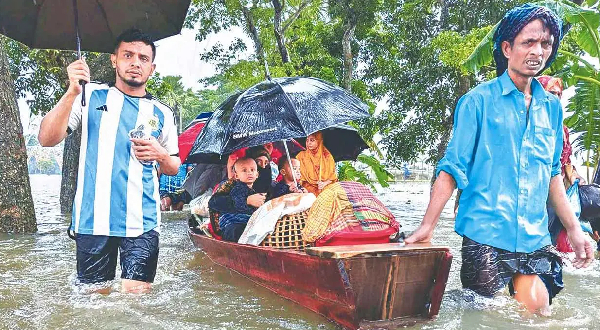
(505, 156)
(125, 131)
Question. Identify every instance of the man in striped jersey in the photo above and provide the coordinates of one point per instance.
(117, 205)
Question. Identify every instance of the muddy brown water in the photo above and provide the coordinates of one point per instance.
(38, 289)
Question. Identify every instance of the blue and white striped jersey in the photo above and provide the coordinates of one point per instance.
(116, 194)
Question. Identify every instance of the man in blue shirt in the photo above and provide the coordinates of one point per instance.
(505, 156)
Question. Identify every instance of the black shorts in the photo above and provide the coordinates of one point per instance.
(97, 257)
(487, 270)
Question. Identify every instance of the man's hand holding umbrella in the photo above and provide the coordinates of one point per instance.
(77, 71)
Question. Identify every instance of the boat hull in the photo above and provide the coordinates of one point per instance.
(365, 290)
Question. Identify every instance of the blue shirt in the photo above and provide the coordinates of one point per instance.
(168, 184)
(503, 157)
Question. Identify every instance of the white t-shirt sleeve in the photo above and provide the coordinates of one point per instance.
(76, 113)
(168, 138)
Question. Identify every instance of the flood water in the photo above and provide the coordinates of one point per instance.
(38, 290)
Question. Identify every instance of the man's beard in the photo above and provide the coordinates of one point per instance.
(131, 82)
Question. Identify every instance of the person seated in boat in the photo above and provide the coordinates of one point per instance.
(287, 184)
(263, 162)
(505, 156)
(232, 158)
(244, 200)
(317, 167)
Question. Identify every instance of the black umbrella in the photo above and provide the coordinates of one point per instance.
(342, 141)
(52, 24)
(274, 110)
(55, 23)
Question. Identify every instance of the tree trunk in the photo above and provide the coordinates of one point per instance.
(279, 36)
(68, 183)
(178, 119)
(17, 213)
(253, 33)
(349, 29)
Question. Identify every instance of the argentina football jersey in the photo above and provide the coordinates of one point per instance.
(117, 195)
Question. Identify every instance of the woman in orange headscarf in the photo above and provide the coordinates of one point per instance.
(317, 167)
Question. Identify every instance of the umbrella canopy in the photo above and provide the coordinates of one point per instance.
(50, 23)
(274, 110)
(187, 138)
(342, 141)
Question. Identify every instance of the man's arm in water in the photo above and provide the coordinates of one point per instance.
(440, 194)
(53, 128)
(584, 252)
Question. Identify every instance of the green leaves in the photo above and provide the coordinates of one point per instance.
(382, 175)
(482, 54)
(184, 102)
(348, 172)
(585, 105)
(587, 38)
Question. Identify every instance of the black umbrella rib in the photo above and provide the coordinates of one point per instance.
(112, 34)
(289, 102)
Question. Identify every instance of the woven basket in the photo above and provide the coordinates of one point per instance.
(288, 233)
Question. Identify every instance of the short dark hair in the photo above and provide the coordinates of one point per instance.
(132, 35)
(282, 161)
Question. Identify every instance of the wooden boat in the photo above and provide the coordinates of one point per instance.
(359, 287)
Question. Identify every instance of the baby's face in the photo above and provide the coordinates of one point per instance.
(295, 170)
(246, 171)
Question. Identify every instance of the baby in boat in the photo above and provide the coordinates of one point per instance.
(263, 162)
(287, 184)
(244, 200)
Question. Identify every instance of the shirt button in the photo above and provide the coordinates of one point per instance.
(522, 111)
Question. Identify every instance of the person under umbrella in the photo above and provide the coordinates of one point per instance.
(317, 167)
(125, 132)
(263, 161)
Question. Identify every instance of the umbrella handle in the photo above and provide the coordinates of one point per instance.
(289, 159)
(78, 41)
(82, 83)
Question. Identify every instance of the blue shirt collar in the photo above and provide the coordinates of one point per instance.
(537, 90)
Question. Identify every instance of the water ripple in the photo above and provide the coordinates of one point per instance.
(38, 287)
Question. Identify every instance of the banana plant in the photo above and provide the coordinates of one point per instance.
(572, 67)
(347, 172)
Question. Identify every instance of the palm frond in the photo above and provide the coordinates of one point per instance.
(482, 54)
(585, 106)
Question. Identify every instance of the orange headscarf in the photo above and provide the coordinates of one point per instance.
(317, 165)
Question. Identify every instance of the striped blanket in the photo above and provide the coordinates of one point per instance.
(346, 207)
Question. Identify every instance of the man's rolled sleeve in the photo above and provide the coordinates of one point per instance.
(461, 147)
(558, 147)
